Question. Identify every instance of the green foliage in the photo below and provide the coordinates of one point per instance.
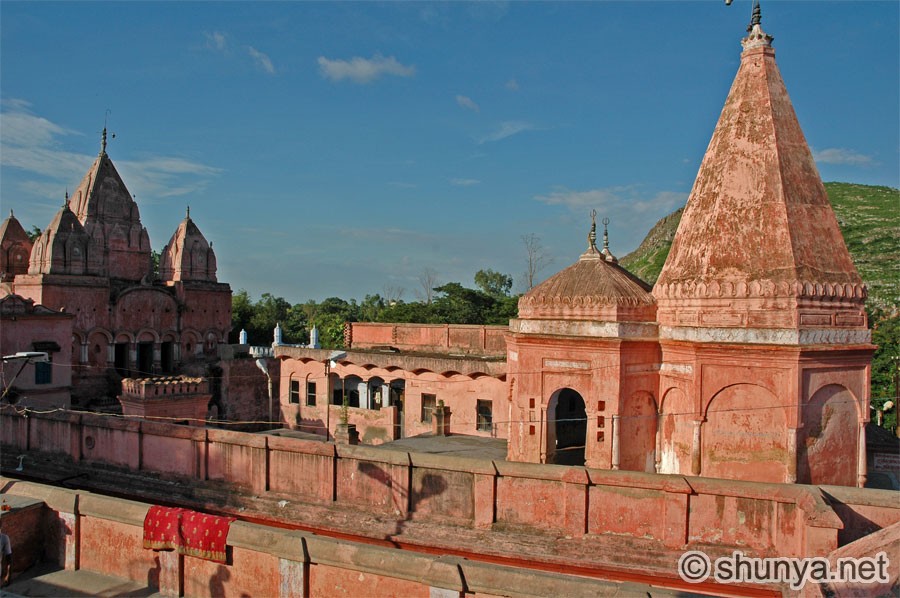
(495, 284)
(452, 304)
(154, 264)
(885, 364)
(33, 233)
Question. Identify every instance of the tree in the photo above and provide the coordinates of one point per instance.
(371, 308)
(267, 312)
(241, 312)
(428, 280)
(154, 264)
(537, 259)
(34, 233)
(495, 284)
(392, 294)
(457, 304)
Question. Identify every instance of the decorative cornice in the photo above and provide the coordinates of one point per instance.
(765, 288)
(587, 301)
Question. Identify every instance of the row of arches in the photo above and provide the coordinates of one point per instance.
(142, 353)
(743, 434)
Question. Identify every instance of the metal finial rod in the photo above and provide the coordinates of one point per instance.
(592, 236)
(605, 234)
(188, 212)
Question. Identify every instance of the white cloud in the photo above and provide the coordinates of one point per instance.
(506, 129)
(512, 85)
(842, 156)
(31, 144)
(216, 41)
(466, 102)
(363, 70)
(262, 60)
(627, 201)
(464, 182)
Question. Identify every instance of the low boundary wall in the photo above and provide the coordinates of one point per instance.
(105, 535)
(676, 511)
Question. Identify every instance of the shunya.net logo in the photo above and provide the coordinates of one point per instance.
(696, 567)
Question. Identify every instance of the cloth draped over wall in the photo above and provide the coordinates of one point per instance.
(188, 532)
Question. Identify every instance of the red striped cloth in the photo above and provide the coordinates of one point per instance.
(162, 528)
(204, 535)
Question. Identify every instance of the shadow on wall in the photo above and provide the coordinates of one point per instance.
(432, 485)
(311, 425)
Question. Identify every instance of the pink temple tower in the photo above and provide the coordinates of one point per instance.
(762, 326)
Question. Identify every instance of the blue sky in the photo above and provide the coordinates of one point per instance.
(341, 149)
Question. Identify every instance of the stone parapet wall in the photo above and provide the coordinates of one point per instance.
(441, 338)
(675, 511)
(163, 387)
(105, 535)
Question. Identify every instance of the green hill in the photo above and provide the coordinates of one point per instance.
(869, 218)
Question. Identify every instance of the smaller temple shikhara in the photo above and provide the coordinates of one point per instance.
(749, 358)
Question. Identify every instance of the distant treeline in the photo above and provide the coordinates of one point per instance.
(451, 303)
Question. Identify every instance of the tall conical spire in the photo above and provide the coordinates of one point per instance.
(758, 222)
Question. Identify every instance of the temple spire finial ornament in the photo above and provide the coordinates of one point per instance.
(188, 215)
(103, 143)
(755, 16)
(756, 37)
(66, 200)
(606, 252)
(592, 236)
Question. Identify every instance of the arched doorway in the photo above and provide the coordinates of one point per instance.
(568, 420)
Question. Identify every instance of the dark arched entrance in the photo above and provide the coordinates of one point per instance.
(570, 425)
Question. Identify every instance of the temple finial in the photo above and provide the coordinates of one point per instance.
(103, 143)
(11, 215)
(756, 37)
(756, 16)
(66, 201)
(188, 215)
(606, 252)
(592, 236)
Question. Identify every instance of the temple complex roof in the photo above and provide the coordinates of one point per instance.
(594, 288)
(758, 222)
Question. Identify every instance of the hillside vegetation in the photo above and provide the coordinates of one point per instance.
(869, 218)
